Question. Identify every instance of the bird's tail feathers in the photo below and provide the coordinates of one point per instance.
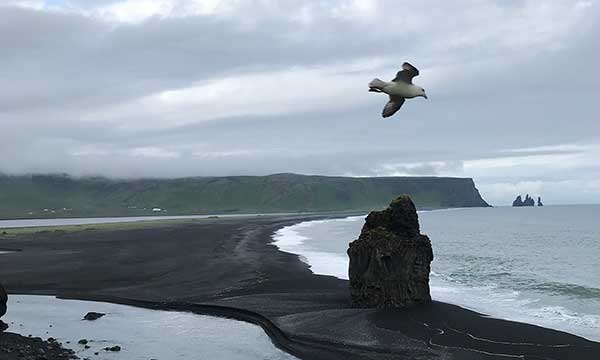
(377, 84)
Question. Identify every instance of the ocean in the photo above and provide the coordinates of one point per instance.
(539, 265)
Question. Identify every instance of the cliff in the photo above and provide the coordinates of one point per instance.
(36, 196)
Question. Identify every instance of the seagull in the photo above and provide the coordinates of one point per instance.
(399, 89)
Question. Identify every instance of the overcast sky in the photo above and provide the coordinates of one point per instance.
(171, 88)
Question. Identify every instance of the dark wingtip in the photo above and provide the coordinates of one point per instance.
(410, 67)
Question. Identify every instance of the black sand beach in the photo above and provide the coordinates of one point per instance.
(228, 267)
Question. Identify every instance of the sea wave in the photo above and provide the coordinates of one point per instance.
(571, 290)
(483, 284)
(288, 239)
(515, 305)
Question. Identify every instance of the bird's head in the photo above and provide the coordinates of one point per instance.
(422, 93)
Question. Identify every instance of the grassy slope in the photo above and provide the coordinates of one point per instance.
(20, 195)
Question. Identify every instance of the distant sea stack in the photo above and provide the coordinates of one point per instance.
(527, 202)
(390, 261)
(539, 202)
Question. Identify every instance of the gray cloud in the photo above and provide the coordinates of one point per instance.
(280, 86)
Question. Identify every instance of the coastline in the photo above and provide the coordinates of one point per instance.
(502, 282)
(306, 315)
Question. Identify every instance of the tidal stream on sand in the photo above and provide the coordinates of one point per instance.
(140, 333)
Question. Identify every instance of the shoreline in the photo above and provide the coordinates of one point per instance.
(185, 216)
(158, 217)
(297, 345)
(279, 338)
(306, 315)
(501, 301)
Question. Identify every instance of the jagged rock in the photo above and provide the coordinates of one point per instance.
(13, 346)
(390, 261)
(520, 202)
(528, 201)
(539, 202)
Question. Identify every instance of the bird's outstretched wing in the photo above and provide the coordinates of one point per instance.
(392, 106)
(407, 73)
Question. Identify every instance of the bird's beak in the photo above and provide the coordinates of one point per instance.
(425, 96)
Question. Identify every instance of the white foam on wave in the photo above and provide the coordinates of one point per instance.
(513, 305)
(489, 299)
(321, 262)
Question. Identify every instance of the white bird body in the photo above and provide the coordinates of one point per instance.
(399, 89)
(402, 89)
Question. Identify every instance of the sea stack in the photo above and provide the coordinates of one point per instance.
(528, 201)
(520, 202)
(390, 261)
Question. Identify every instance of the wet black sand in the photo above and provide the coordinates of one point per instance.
(228, 267)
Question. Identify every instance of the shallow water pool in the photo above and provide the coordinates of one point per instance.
(141, 333)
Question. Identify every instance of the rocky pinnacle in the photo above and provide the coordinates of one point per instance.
(390, 261)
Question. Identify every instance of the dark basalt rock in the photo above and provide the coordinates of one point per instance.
(539, 202)
(13, 347)
(520, 202)
(91, 316)
(390, 261)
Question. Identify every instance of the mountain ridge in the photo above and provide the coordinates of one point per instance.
(51, 195)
